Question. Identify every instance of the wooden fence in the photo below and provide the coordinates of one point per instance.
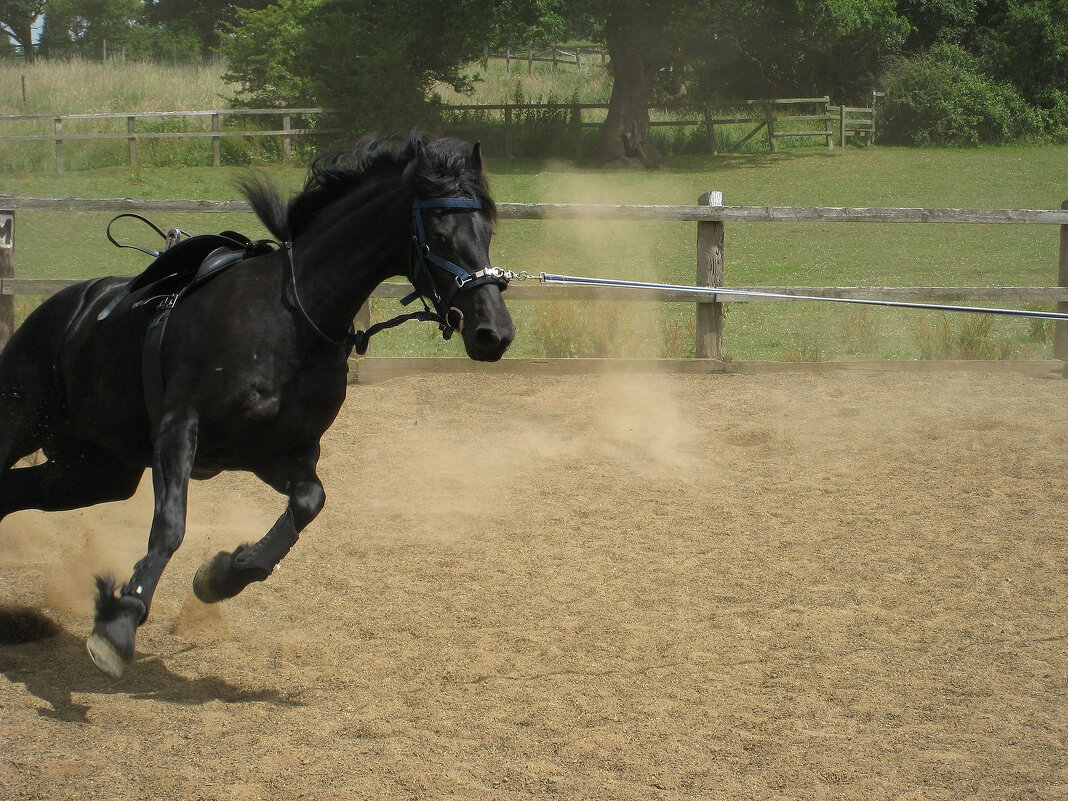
(134, 136)
(710, 215)
(554, 54)
(836, 123)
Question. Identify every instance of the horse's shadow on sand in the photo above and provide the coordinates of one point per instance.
(57, 667)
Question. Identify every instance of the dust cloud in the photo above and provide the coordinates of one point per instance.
(53, 557)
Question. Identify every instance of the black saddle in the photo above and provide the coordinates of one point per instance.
(175, 272)
(191, 261)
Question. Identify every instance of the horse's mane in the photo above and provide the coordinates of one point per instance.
(443, 170)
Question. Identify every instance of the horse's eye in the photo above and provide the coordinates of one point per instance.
(441, 239)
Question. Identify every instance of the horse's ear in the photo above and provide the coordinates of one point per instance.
(476, 157)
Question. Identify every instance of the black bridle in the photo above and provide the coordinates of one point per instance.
(421, 259)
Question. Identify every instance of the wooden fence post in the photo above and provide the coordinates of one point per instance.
(530, 58)
(59, 144)
(509, 133)
(508, 57)
(710, 131)
(575, 120)
(130, 125)
(7, 270)
(875, 95)
(842, 125)
(1060, 333)
(216, 155)
(287, 140)
(828, 123)
(710, 273)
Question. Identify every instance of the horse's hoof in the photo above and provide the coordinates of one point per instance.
(111, 645)
(218, 578)
(105, 656)
(210, 578)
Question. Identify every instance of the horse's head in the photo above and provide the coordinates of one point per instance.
(452, 223)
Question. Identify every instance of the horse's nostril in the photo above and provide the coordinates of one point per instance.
(487, 337)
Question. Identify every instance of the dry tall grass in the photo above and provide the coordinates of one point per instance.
(90, 87)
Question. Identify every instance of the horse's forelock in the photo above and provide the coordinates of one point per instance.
(445, 168)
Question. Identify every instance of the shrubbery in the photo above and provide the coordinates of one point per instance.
(161, 43)
(943, 97)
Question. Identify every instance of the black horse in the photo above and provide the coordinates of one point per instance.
(252, 370)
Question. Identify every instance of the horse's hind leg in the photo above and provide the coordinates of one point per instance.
(226, 574)
(111, 644)
(70, 479)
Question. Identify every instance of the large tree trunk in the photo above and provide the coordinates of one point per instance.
(23, 34)
(625, 132)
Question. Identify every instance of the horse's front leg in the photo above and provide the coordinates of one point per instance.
(111, 644)
(226, 574)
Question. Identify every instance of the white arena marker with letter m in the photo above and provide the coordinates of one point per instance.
(7, 229)
(7, 271)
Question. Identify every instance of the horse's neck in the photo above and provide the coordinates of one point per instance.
(338, 266)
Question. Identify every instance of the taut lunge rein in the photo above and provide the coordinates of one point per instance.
(574, 280)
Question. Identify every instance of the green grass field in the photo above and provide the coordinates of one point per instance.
(73, 245)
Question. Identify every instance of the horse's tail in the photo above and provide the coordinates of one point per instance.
(268, 204)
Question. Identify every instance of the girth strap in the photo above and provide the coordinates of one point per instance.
(152, 353)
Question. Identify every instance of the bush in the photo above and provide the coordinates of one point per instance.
(160, 43)
(943, 97)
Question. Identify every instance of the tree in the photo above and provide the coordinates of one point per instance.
(738, 48)
(642, 39)
(17, 18)
(206, 19)
(933, 21)
(82, 22)
(375, 60)
(520, 21)
(801, 47)
(1030, 49)
(262, 50)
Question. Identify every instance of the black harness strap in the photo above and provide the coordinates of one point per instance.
(360, 338)
(152, 354)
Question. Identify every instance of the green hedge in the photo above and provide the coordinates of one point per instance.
(943, 97)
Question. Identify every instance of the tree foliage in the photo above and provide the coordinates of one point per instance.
(944, 97)
(800, 47)
(375, 60)
(381, 61)
(263, 52)
(17, 18)
(78, 22)
(1031, 49)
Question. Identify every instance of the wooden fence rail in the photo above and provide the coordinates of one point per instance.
(710, 215)
(836, 124)
(551, 54)
(133, 136)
